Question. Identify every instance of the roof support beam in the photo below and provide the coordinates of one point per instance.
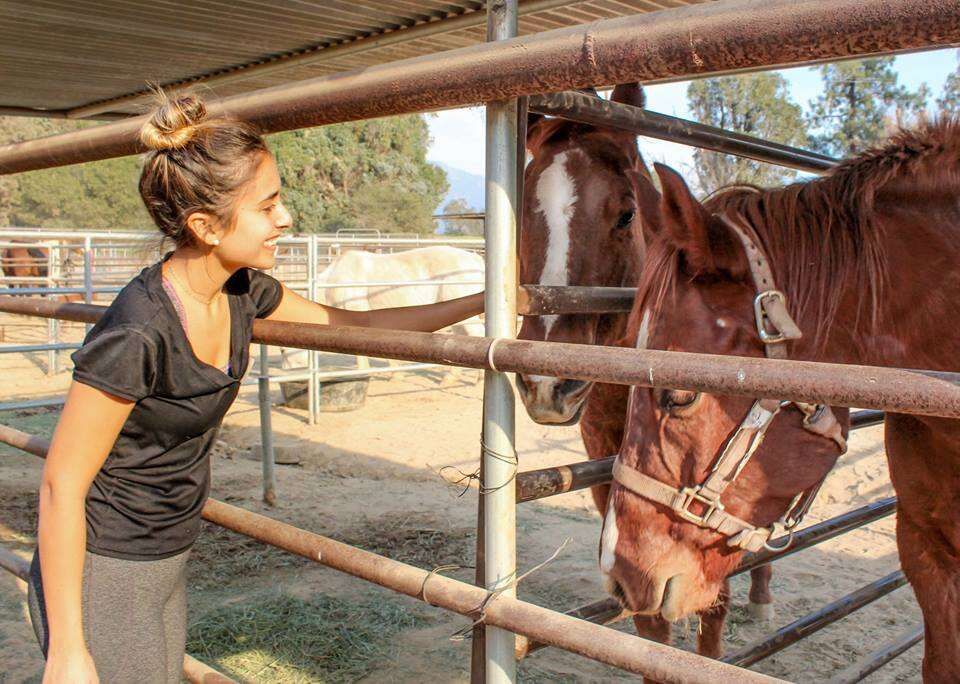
(717, 37)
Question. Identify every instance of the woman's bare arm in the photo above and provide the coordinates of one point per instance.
(425, 318)
(85, 434)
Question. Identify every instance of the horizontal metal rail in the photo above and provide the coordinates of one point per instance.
(31, 404)
(664, 663)
(52, 346)
(608, 610)
(877, 659)
(541, 300)
(709, 38)
(194, 671)
(819, 533)
(865, 418)
(589, 109)
(817, 620)
(544, 482)
(539, 484)
(31, 291)
(899, 390)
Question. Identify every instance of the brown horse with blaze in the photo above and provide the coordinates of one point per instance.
(585, 188)
(867, 259)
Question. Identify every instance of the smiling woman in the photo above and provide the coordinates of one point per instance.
(127, 473)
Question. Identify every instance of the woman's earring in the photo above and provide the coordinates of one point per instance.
(216, 241)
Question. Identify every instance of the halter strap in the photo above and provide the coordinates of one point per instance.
(775, 327)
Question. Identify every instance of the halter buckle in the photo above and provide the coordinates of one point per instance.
(686, 496)
(759, 302)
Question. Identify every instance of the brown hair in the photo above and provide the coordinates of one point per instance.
(195, 164)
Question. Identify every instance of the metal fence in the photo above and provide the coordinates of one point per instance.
(92, 266)
(728, 35)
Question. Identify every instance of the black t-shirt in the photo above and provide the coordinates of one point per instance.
(145, 501)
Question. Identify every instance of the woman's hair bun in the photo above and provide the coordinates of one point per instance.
(173, 123)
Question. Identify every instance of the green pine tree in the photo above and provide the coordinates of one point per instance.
(371, 175)
(96, 195)
(756, 104)
(364, 175)
(861, 101)
(949, 101)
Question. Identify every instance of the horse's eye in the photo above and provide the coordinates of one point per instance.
(676, 401)
(626, 218)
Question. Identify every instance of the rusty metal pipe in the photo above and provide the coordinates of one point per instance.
(819, 532)
(922, 392)
(589, 109)
(14, 564)
(866, 418)
(709, 38)
(607, 611)
(539, 484)
(544, 482)
(817, 620)
(630, 653)
(543, 300)
(877, 659)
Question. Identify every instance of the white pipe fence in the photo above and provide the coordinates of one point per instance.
(93, 265)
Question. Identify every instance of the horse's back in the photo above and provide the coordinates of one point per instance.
(422, 264)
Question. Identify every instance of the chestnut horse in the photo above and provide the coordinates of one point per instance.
(581, 198)
(24, 262)
(868, 261)
(30, 261)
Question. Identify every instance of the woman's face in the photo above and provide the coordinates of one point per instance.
(260, 217)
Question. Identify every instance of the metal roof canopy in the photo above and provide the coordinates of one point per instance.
(714, 37)
(85, 58)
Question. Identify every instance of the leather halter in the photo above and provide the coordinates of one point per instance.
(775, 327)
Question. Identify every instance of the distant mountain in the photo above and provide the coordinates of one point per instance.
(463, 184)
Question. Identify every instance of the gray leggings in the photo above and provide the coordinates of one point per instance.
(134, 617)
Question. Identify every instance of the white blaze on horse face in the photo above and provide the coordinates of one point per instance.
(556, 200)
(608, 541)
(643, 333)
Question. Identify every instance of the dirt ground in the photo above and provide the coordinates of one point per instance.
(372, 477)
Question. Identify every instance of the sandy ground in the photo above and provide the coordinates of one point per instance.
(371, 477)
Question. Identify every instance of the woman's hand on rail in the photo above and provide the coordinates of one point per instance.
(425, 318)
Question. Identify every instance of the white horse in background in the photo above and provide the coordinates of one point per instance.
(368, 277)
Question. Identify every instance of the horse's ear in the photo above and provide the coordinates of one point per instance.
(534, 134)
(706, 244)
(648, 204)
(629, 93)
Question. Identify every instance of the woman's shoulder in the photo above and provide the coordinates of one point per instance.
(260, 290)
(137, 306)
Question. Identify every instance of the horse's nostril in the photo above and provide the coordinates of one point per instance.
(617, 592)
(568, 387)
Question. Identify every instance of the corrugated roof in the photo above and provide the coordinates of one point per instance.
(90, 58)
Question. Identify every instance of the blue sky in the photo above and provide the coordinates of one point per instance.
(458, 134)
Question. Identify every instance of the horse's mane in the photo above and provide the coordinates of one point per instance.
(822, 236)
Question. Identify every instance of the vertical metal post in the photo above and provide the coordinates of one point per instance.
(499, 457)
(53, 324)
(313, 357)
(87, 274)
(266, 429)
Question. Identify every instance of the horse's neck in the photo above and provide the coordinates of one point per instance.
(917, 308)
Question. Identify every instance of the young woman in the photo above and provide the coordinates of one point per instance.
(128, 470)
